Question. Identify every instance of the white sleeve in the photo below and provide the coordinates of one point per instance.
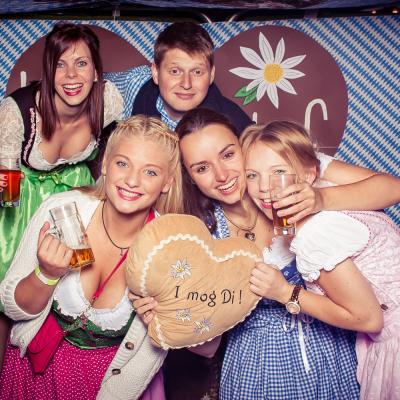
(11, 128)
(324, 161)
(325, 240)
(24, 262)
(113, 103)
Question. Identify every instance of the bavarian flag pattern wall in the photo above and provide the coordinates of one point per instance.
(338, 76)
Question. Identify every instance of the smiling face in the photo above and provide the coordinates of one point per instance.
(214, 161)
(261, 162)
(183, 80)
(135, 179)
(74, 76)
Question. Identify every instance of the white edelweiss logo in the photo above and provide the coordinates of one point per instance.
(180, 269)
(183, 315)
(273, 73)
(202, 326)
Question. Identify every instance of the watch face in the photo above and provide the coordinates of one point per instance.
(293, 307)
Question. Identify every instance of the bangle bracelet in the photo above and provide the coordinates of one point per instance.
(44, 279)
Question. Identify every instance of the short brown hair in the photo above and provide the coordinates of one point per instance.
(186, 36)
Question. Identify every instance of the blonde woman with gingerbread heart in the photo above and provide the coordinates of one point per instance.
(105, 353)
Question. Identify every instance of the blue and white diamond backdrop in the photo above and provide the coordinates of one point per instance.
(367, 50)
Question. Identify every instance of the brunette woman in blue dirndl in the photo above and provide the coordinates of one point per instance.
(272, 354)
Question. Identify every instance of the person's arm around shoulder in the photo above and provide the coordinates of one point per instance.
(360, 188)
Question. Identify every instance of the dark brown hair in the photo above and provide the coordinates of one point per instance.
(60, 39)
(186, 36)
(194, 201)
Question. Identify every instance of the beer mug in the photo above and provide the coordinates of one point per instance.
(9, 196)
(69, 229)
(276, 184)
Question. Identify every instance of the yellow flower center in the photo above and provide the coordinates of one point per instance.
(273, 73)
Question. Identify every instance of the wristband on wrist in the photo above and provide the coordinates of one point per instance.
(44, 279)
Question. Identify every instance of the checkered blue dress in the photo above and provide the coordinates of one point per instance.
(274, 355)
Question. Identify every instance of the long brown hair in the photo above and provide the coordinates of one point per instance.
(194, 201)
(154, 130)
(60, 39)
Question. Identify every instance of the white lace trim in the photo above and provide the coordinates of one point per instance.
(72, 301)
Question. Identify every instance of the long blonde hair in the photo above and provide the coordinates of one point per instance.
(288, 139)
(149, 129)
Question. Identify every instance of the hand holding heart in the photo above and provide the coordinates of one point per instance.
(201, 285)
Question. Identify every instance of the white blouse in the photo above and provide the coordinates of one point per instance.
(69, 295)
(12, 130)
(325, 240)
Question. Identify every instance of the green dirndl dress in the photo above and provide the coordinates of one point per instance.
(36, 187)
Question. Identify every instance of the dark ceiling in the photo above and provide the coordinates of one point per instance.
(202, 10)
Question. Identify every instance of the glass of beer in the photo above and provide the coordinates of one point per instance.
(277, 183)
(69, 229)
(9, 196)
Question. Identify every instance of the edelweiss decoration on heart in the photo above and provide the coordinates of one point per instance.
(201, 284)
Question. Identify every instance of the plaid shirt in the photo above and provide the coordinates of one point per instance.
(129, 83)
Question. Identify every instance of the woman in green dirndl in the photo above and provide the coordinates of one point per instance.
(55, 127)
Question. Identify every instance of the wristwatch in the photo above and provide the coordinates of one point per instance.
(293, 305)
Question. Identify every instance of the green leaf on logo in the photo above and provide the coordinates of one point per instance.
(249, 95)
(250, 98)
(244, 93)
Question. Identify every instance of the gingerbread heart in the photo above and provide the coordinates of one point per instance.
(201, 284)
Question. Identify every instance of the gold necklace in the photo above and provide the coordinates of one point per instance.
(248, 229)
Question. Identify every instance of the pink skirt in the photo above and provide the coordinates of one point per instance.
(379, 361)
(72, 374)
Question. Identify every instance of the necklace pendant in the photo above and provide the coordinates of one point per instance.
(250, 235)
